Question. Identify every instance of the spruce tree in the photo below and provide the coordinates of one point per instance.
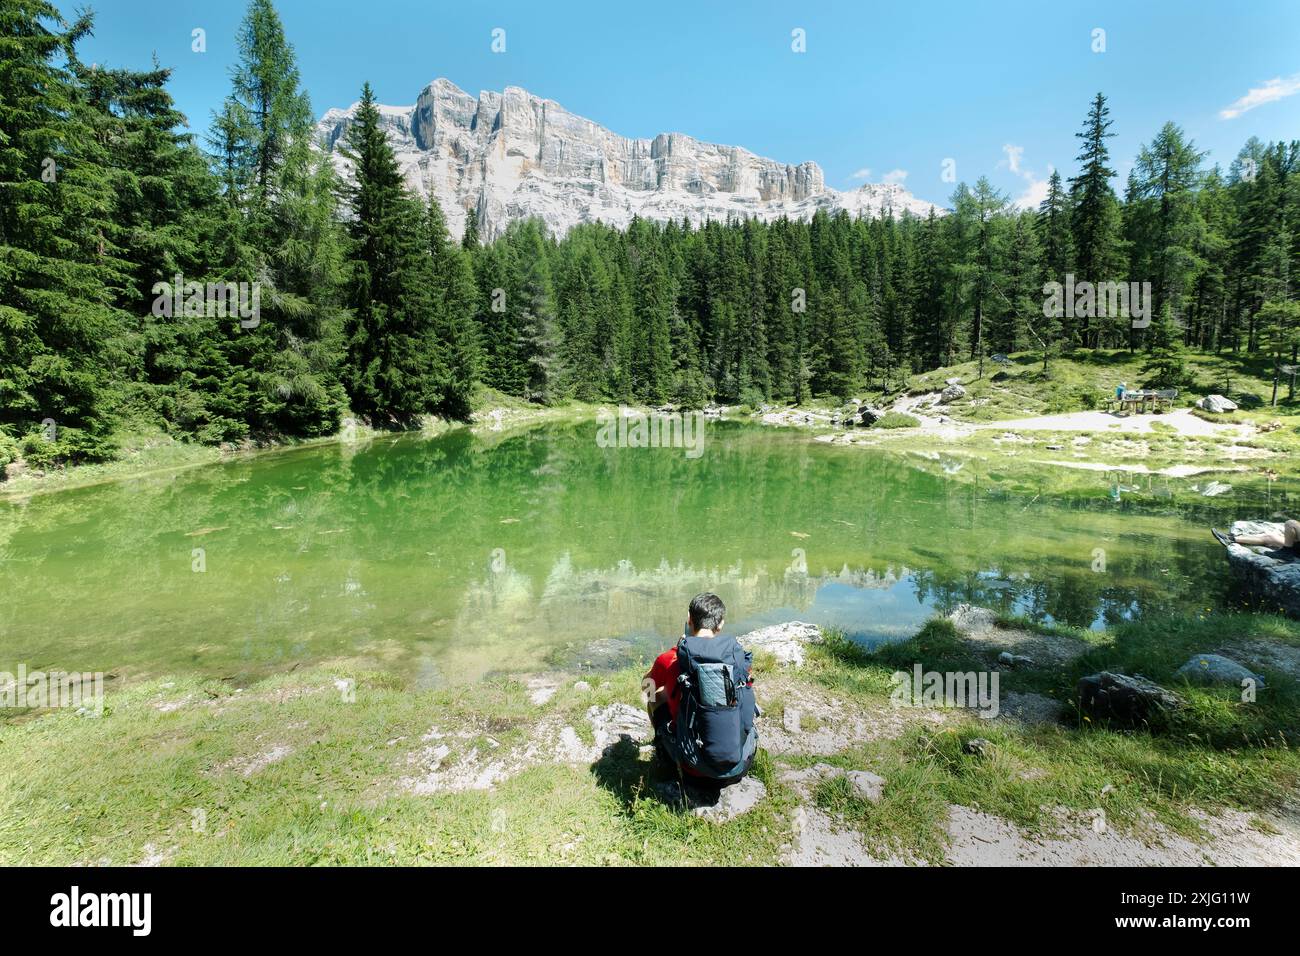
(1095, 218)
(396, 365)
(457, 306)
(62, 270)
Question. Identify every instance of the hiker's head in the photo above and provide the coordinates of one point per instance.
(706, 613)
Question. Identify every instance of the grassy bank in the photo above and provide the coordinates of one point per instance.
(1268, 444)
(307, 768)
(1258, 443)
(149, 450)
(1086, 379)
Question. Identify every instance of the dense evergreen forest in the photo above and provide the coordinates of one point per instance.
(366, 306)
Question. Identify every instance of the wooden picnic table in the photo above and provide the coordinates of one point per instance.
(1144, 399)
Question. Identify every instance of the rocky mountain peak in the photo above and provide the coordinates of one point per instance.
(513, 155)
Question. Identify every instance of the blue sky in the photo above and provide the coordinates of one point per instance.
(885, 90)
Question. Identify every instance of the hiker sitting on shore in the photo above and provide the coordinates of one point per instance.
(1287, 540)
(701, 698)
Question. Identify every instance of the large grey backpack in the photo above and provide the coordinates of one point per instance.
(714, 733)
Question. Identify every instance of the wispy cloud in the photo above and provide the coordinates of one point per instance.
(863, 173)
(1275, 89)
(894, 176)
(1035, 188)
(1014, 154)
(1034, 194)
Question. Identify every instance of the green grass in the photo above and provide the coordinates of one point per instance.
(896, 420)
(127, 785)
(1215, 717)
(120, 787)
(1087, 378)
(1219, 752)
(144, 449)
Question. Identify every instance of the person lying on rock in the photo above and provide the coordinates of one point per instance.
(1287, 540)
(700, 695)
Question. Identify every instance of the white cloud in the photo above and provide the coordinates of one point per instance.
(1275, 89)
(894, 176)
(1034, 194)
(1014, 153)
(1035, 189)
(862, 173)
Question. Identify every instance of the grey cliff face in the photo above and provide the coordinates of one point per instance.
(513, 155)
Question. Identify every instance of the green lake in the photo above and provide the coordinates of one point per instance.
(449, 558)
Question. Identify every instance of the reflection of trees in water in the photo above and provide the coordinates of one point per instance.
(588, 603)
(392, 539)
(1068, 590)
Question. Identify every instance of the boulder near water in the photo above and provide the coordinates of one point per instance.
(1123, 699)
(1217, 669)
(1271, 579)
(785, 641)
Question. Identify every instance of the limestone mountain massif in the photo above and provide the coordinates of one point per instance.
(513, 155)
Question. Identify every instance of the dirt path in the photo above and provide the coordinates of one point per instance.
(1181, 420)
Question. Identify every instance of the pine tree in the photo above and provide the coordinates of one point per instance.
(396, 364)
(1094, 216)
(653, 361)
(457, 306)
(271, 115)
(287, 239)
(1053, 226)
(1280, 324)
(1166, 224)
(539, 349)
(1017, 305)
(930, 334)
(60, 269)
(1166, 362)
(469, 238)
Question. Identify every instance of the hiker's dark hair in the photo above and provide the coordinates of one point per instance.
(707, 610)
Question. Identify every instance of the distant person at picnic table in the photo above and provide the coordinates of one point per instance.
(1120, 389)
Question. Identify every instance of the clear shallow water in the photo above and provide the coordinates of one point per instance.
(446, 559)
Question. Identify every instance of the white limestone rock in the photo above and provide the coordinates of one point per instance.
(785, 641)
(733, 800)
(513, 155)
(1216, 403)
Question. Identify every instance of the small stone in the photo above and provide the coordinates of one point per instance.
(617, 721)
(790, 720)
(541, 690)
(972, 619)
(867, 785)
(978, 747)
(582, 687)
(733, 800)
(799, 822)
